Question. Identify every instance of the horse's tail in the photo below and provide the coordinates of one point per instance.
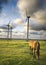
(38, 49)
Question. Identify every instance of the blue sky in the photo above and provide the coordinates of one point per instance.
(11, 12)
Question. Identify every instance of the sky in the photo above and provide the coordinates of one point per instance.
(16, 11)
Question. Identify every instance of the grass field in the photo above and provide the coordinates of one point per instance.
(16, 52)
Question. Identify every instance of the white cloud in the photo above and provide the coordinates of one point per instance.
(32, 7)
(40, 16)
(18, 21)
(1, 30)
(39, 20)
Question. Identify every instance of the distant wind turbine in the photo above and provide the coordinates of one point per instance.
(8, 27)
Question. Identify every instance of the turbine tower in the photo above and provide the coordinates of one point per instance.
(28, 17)
(11, 32)
(8, 25)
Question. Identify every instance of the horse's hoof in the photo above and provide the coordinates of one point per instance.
(38, 58)
(31, 53)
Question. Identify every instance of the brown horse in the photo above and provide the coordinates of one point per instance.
(35, 48)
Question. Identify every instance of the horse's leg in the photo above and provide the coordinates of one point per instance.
(38, 53)
(34, 56)
(31, 50)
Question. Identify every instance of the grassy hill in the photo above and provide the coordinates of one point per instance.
(16, 52)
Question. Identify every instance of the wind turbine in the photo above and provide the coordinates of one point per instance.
(8, 27)
(28, 17)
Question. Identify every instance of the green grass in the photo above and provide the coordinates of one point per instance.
(16, 52)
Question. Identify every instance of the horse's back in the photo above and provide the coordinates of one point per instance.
(33, 44)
